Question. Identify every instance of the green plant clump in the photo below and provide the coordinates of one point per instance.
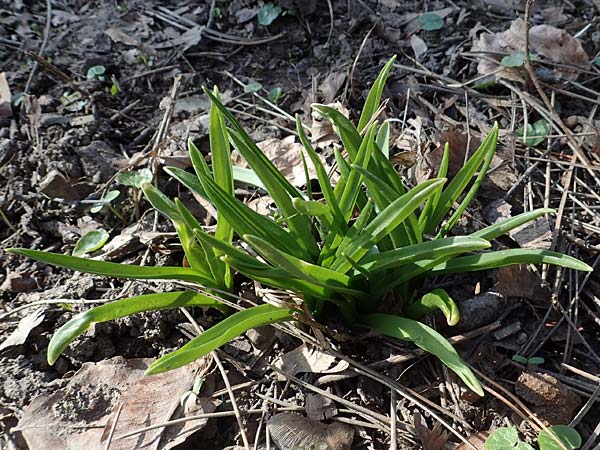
(359, 243)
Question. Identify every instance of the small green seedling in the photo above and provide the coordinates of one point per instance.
(96, 73)
(105, 202)
(534, 361)
(135, 178)
(275, 94)
(252, 86)
(569, 437)
(90, 242)
(268, 13)
(190, 397)
(536, 133)
(217, 12)
(507, 438)
(430, 22)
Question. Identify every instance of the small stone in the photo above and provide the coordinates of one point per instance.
(18, 282)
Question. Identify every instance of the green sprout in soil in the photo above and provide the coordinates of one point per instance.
(557, 437)
(364, 243)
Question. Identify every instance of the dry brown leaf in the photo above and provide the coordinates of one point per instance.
(330, 86)
(5, 97)
(290, 431)
(434, 439)
(418, 45)
(553, 44)
(26, 324)
(285, 154)
(308, 359)
(322, 133)
(94, 392)
(477, 440)
(519, 281)
(118, 35)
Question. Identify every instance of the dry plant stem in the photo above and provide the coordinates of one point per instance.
(351, 73)
(234, 405)
(375, 418)
(213, 415)
(113, 427)
(42, 47)
(555, 117)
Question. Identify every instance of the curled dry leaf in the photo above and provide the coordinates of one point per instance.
(290, 431)
(553, 44)
(331, 85)
(477, 440)
(520, 281)
(308, 359)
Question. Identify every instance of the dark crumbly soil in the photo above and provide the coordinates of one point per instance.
(87, 142)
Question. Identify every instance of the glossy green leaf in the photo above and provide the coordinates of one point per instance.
(247, 221)
(374, 97)
(105, 200)
(537, 132)
(123, 308)
(502, 258)
(353, 182)
(247, 176)
(383, 139)
(436, 299)
(322, 175)
(426, 338)
(503, 227)
(432, 202)
(461, 180)
(431, 21)
(303, 270)
(345, 129)
(429, 250)
(567, 435)
(194, 254)
(113, 269)
(219, 334)
(470, 195)
(386, 221)
(90, 242)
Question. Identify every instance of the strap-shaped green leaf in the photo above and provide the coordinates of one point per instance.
(489, 154)
(219, 271)
(247, 221)
(281, 279)
(348, 134)
(223, 176)
(433, 201)
(386, 221)
(194, 254)
(322, 176)
(80, 323)
(426, 338)
(278, 186)
(383, 139)
(219, 334)
(461, 180)
(114, 269)
(383, 194)
(503, 227)
(428, 250)
(374, 97)
(318, 275)
(353, 183)
(436, 299)
(502, 258)
(314, 208)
